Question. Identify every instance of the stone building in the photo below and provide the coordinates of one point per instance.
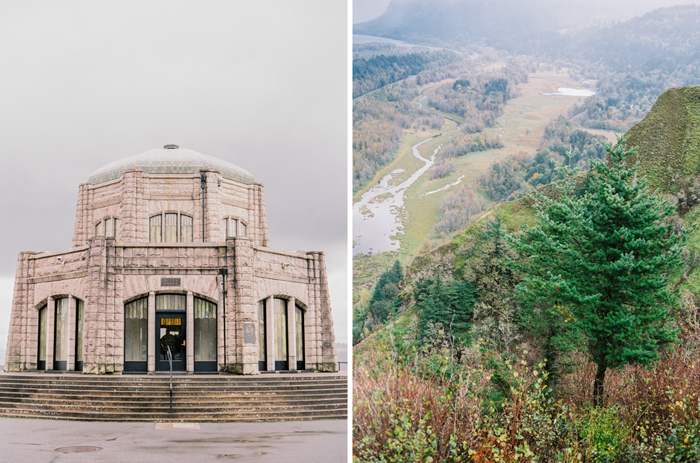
(171, 252)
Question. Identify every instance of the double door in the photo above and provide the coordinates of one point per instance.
(171, 333)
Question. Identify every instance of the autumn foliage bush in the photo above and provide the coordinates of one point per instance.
(489, 408)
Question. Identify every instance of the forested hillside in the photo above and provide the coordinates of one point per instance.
(381, 70)
(562, 326)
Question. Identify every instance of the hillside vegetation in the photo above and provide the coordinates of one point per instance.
(470, 366)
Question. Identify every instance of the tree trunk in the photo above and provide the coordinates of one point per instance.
(598, 385)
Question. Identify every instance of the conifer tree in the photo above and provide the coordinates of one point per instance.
(603, 259)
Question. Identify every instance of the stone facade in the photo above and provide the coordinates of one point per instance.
(215, 248)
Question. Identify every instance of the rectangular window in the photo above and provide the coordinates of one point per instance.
(280, 314)
(300, 334)
(224, 228)
(204, 331)
(185, 229)
(262, 344)
(61, 338)
(166, 302)
(234, 227)
(244, 229)
(42, 335)
(155, 229)
(171, 228)
(108, 227)
(116, 229)
(98, 229)
(79, 316)
(136, 331)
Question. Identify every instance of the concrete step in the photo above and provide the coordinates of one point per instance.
(195, 398)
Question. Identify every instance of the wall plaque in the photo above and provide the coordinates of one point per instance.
(249, 333)
(170, 282)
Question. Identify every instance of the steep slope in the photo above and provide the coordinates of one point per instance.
(667, 141)
(668, 138)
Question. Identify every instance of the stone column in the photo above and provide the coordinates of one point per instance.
(189, 333)
(241, 306)
(50, 323)
(292, 334)
(80, 234)
(270, 333)
(23, 333)
(70, 366)
(151, 332)
(329, 360)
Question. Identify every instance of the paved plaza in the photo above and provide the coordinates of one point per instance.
(36, 441)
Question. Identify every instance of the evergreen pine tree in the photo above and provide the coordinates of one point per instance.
(603, 261)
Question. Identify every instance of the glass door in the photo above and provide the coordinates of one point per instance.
(170, 333)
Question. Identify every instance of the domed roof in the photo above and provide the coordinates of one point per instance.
(170, 160)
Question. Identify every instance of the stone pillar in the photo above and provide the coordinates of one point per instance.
(261, 235)
(70, 366)
(240, 306)
(94, 361)
(23, 334)
(50, 330)
(189, 333)
(134, 219)
(292, 334)
(329, 360)
(270, 333)
(213, 208)
(80, 231)
(151, 332)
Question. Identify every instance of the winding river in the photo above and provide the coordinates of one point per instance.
(376, 216)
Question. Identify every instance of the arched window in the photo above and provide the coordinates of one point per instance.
(136, 335)
(204, 335)
(109, 227)
(280, 334)
(170, 227)
(61, 340)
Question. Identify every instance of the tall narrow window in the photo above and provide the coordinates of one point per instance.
(224, 228)
(116, 229)
(61, 335)
(300, 337)
(136, 335)
(108, 227)
(171, 228)
(41, 355)
(234, 227)
(79, 317)
(244, 229)
(155, 229)
(262, 340)
(98, 229)
(204, 335)
(280, 314)
(185, 229)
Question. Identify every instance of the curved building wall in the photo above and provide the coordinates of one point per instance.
(235, 273)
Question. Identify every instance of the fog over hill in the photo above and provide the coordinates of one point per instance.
(499, 22)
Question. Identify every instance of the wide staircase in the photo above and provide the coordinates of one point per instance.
(206, 398)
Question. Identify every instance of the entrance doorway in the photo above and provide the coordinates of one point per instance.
(170, 332)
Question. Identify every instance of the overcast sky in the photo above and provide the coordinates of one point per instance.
(260, 84)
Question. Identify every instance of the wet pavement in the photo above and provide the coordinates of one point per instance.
(38, 440)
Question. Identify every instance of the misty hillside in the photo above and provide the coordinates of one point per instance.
(662, 39)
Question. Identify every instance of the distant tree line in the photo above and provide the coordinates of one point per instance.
(562, 143)
(379, 71)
